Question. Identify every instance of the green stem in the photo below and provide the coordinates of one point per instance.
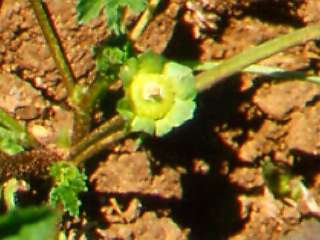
(252, 55)
(97, 147)
(54, 45)
(144, 19)
(95, 92)
(274, 72)
(82, 119)
(101, 132)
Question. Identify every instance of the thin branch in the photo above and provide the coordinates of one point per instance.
(102, 131)
(54, 45)
(274, 72)
(97, 147)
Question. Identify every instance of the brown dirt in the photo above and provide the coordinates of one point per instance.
(204, 180)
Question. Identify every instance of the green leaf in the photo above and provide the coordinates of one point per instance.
(113, 9)
(32, 223)
(13, 134)
(11, 141)
(111, 55)
(69, 182)
(135, 5)
(68, 197)
(88, 9)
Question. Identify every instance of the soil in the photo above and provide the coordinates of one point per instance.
(205, 179)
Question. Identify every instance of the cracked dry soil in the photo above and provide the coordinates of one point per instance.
(204, 180)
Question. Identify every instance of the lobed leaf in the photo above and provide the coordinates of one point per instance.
(111, 54)
(69, 182)
(89, 9)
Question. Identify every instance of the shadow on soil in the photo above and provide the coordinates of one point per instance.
(306, 165)
(209, 205)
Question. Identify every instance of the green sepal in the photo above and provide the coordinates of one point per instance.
(123, 107)
(179, 113)
(128, 70)
(150, 62)
(184, 83)
(143, 124)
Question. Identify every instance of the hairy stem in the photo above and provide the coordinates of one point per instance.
(82, 118)
(252, 55)
(98, 146)
(95, 92)
(99, 133)
(54, 45)
(274, 72)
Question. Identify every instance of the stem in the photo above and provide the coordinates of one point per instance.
(54, 45)
(144, 19)
(252, 55)
(82, 119)
(102, 131)
(95, 92)
(95, 148)
(263, 70)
